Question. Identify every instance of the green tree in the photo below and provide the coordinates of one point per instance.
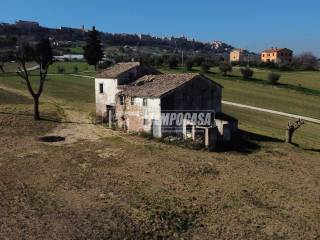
(75, 69)
(159, 60)
(198, 60)
(225, 68)
(273, 78)
(173, 62)
(93, 51)
(247, 73)
(42, 54)
(189, 65)
(205, 67)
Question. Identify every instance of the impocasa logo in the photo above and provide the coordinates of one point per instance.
(178, 119)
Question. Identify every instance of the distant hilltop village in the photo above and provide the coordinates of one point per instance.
(68, 38)
(32, 31)
(31, 25)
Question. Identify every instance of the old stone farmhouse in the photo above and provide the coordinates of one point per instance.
(136, 98)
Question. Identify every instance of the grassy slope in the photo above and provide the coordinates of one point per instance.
(79, 93)
(264, 124)
(290, 98)
(83, 67)
(12, 66)
(74, 91)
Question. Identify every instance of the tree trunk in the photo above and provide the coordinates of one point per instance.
(289, 134)
(36, 108)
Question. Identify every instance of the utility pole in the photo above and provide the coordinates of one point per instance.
(182, 57)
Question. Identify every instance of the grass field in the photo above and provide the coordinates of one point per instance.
(74, 91)
(75, 50)
(13, 67)
(307, 137)
(69, 68)
(289, 97)
(83, 68)
(79, 93)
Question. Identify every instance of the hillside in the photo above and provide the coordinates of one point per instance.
(73, 37)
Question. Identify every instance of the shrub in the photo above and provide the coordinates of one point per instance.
(235, 63)
(188, 65)
(159, 60)
(247, 73)
(267, 65)
(105, 64)
(173, 62)
(60, 69)
(225, 68)
(205, 67)
(306, 61)
(75, 69)
(273, 78)
(198, 60)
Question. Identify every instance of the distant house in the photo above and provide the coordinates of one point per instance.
(277, 55)
(27, 24)
(238, 55)
(243, 56)
(163, 104)
(69, 57)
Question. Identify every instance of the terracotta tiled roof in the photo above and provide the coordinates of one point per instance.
(157, 85)
(118, 69)
(271, 50)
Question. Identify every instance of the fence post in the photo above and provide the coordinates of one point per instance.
(110, 119)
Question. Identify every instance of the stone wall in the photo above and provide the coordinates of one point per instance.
(138, 118)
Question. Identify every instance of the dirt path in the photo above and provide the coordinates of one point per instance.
(77, 127)
(309, 119)
(73, 75)
(74, 127)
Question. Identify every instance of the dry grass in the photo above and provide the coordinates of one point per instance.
(130, 188)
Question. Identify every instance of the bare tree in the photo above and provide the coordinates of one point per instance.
(2, 67)
(307, 61)
(2, 60)
(42, 54)
(292, 127)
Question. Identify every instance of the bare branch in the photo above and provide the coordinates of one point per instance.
(23, 73)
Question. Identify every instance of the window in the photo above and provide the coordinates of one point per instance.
(145, 122)
(122, 100)
(262, 55)
(101, 87)
(145, 102)
(132, 100)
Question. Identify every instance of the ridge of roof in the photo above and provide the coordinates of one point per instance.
(158, 85)
(117, 69)
(270, 50)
